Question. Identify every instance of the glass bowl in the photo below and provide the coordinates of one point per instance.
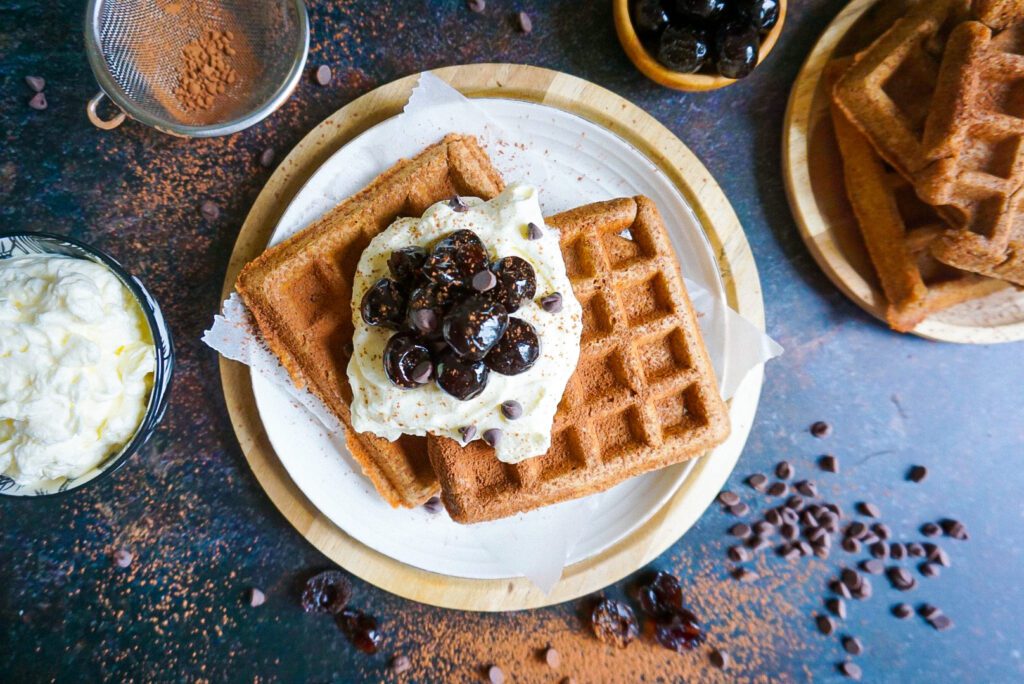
(20, 243)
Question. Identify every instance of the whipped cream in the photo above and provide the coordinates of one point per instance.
(76, 366)
(378, 406)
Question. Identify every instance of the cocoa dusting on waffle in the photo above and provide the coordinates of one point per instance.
(300, 294)
(644, 395)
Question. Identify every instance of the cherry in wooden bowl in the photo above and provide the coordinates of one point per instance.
(650, 67)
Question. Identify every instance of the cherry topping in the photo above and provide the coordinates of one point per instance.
(405, 265)
(679, 632)
(614, 623)
(404, 356)
(516, 281)
(455, 259)
(384, 304)
(516, 351)
(427, 306)
(326, 592)
(473, 326)
(461, 377)
(361, 630)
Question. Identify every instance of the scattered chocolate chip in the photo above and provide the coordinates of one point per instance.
(741, 530)
(897, 551)
(789, 551)
(856, 529)
(719, 659)
(552, 303)
(727, 498)
(837, 607)
(930, 529)
(789, 531)
(872, 566)
(915, 550)
(757, 482)
(476, 5)
(400, 664)
(267, 157)
(850, 577)
(512, 409)
(930, 569)
(745, 575)
(123, 558)
(209, 210)
(422, 372)
(36, 83)
(457, 205)
(841, 589)
(852, 645)
(38, 102)
(917, 473)
(879, 550)
(533, 231)
(863, 591)
(938, 555)
(495, 675)
(484, 280)
(434, 505)
(552, 657)
(740, 510)
(869, 509)
(323, 74)
(825, 624)
(763, 528)
(851, 545)
(829, 463)
(739, 554)
(493, 436)
(425, 320)
(868, 539)
(807, 488)
(928, 611)
(468, 433)
(790, 516)
(954, 529)
(821, 552)
(851, 670)
(901, 578)
(524, 23)
(796, 502)
(816, 535)
(255, 597)
(821, 429)
(777, 489)
(902, 611)
(773, 517)
(882, 531)
(941, 622)
(783, 470)
(758, 543)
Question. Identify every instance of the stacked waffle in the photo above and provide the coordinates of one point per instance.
(930, 123)
(643, 395)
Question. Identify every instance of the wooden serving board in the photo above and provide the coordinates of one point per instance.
(814, 183)
(606, 109)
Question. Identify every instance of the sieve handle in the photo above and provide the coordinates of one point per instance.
(97, 120)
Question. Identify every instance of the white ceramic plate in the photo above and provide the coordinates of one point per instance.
(581, 162)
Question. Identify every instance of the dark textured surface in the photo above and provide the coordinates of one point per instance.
(202, 530)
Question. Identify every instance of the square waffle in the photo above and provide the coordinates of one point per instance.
(975, 131)
(300, 295)
(643, 396)
(898, 230)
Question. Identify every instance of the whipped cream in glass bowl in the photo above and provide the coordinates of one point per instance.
(85, 364)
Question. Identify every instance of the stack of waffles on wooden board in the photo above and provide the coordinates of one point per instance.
(643, 396)
(930, 123)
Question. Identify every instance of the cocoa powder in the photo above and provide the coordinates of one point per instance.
(206, 70)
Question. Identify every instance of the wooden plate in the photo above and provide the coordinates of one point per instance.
(742, 290)
(814, 184)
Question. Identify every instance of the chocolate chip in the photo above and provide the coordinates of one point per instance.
(915, 550)
(457, 205)
(825, 624)
(917, 473)
(512, 409)
(930, 569)
(837, 607)
(856, 529)
(868, 539)
(763, 528)
(468, 433)
(758, 543)
(739, 554)
(816, 534)
(872, 566)
(773, 517)
(941, 622)
(807, 488)
(433, 505)
(901, 579)
(719, 659)
(851, 670)
(788, 551)
(851, 545)
(835, 509)
(928, 611)
(757, 482)
(954, 529)
(476, 5)
(777, 489)
(745, 575)
(869, 509)
(267, 157)
(422, 372)
(727, 498)
(880, 550)
(897, 551)
(255, 597)
(425, 320)
(323, 74)
(741, 530)
(484, 280)
(789, 531)
(739, 510)
(533, 231)
(783, 470)
(493, 436)
(930, 529)
(841, 589)
(38, 102)
(902, 611)
(821, 429)
(524, 23)
(850, 577)
(852, 645)
(495, 675)
(400, 665)
(938, 555)
(552, 657)
(821, 552)
(790, 516)
(209, 210)
(829, 463)
(36, 83)
(123, 558)
(552, 303)
(863, 591)
(882, 530)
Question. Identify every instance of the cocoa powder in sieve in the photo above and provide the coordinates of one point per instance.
(206, 71)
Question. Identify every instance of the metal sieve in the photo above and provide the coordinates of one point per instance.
(135, 49)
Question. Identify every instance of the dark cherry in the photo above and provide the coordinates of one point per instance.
(660, 596)
(683, 49)
(679, 632)
(326, 592)
(516, 351)
(705, 9)
(516, 281)
(361, 630)
(736, 47)
(763, 14)
(403, 352)
(474, 325)
(649, 16)
(455, 259)
(405, 265)
(429, 297)
(614, 623)
(384, 305)
(461, 377)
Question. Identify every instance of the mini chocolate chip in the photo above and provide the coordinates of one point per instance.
(433, 505)
(837, 607)
(821, 429)
(739, 510)
(880, 550)
(484, 280)
(36, 83)
(552, 657)
(758, 482)
(524, 23)
(821, 552)
(863, 591)
(773, 517)
(533, 231)
(422, 372)
(869, 509)
(915, 550)
(493, 436)
(851, 670)
(764, 528)
(777, 489)
(256, 598)
(468, 433)
(425, 320)
(512, 409)
(868, 539)
(826, 625)
(841, 589)
(902, 611)
(719, 659)
(267, 157)
(457, 205)
(788, 551)
(784, 470)
(400, 664)
(930, 569)
(788, 532)
(928, 611)
(790, 516)
(872, 566)
(552, 303)
(209, 210)
(745, 575)
(851, 545)
(727, 498)
(939, 555)
(850, 577)
(829, 463)
(758, 543)
(852, 645)
(323, 74)
(495, 675)
(917, 473)
(795, 502)
(739, 554)
(807, 488)
(123, 558)
(38, 102)
(476, 5)
(856, 529)
(954, 529)
(882, 530)
(897, 551)
(741, 530)
(941, 622)
(930, 529)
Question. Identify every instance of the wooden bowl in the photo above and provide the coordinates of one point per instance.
(652, 68)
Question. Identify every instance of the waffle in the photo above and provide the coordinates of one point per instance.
(898, 230)
(999, 14)
(643, 396)
(976, 133)
(300, 295)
